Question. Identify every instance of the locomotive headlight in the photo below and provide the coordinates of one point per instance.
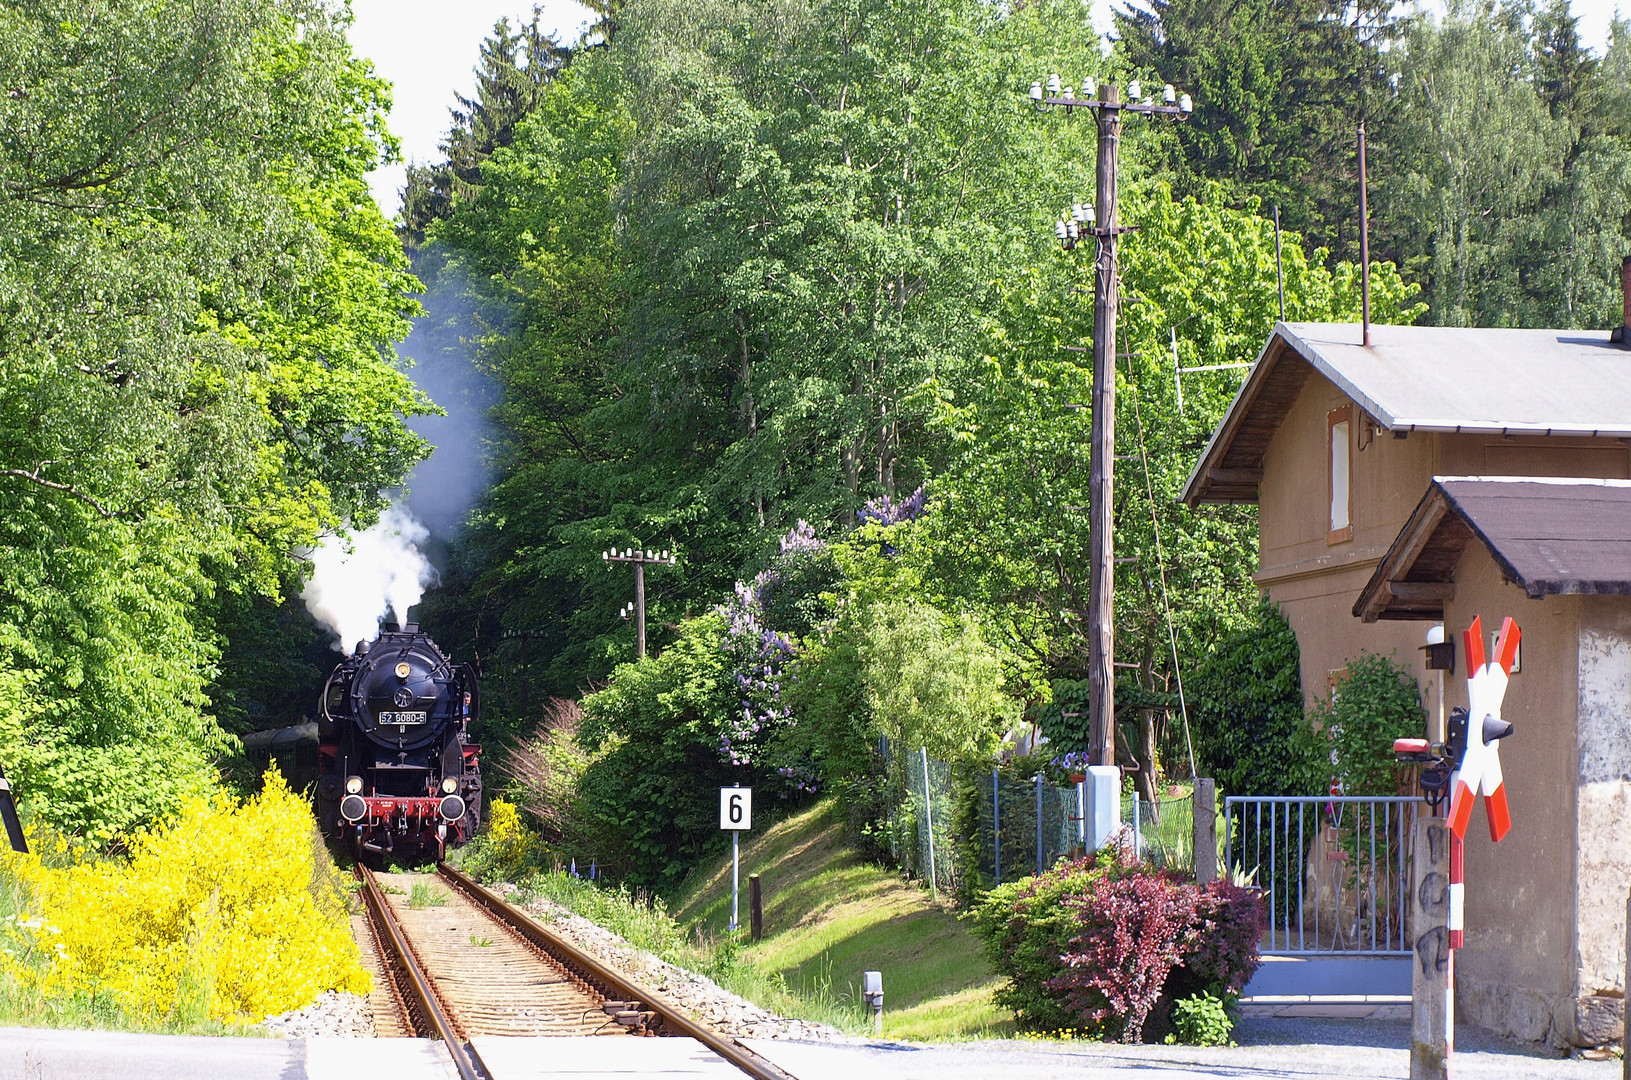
(353, 785)
(402, 670)
(450, 784)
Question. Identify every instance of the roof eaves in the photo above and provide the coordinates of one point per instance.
(1417, 533)
(1343, 383)
(1559, 481)
(1195, 487)
(1506, 427)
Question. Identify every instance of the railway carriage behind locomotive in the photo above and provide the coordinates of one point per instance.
(397, 772)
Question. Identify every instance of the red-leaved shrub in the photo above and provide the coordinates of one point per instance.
(1149, 933)
(1097, 945)
(1134, 930)
(1223, 956)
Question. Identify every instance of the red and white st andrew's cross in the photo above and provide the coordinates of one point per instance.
(1480, 769)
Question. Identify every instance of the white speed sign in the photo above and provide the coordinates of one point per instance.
(736, 808)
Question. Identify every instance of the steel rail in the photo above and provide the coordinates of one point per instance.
(669, 1020)
(425, 999)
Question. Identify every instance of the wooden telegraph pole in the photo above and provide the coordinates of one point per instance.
(1104, 228)
(1101, 604)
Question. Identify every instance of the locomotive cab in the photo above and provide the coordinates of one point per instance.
(399, 774)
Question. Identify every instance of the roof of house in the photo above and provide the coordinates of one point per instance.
(1421, 378)
(1548, 536)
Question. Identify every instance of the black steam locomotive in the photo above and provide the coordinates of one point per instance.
(396, 772)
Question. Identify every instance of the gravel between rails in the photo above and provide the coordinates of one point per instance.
(349, 1016)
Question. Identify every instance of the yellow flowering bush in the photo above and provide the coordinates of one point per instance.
(230, 912)
(507, 849)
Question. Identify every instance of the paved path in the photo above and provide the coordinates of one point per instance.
(1277, 1049)
(510, 1057)
(47, 1054)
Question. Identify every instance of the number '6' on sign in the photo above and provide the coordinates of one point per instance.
(735, 808)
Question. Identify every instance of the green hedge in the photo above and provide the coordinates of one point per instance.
(1246, 707)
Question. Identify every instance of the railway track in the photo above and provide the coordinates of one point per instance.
(454, 961)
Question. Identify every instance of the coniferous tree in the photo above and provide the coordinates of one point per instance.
(516, 64)
(1510, 185)
(1280, 87)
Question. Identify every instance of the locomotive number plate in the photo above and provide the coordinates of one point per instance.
(415, 717)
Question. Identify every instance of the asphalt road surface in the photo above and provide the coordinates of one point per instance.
(1278, 1049)
(1304, 1049)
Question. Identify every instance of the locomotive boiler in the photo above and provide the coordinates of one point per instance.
(397, 773)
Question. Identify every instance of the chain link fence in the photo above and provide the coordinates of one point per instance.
(1163, 830)
(963, 832)
(925, 847)
(1020, 827)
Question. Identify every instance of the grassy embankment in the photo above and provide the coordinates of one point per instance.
(829, 916)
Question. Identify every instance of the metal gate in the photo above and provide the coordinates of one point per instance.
(1334, 870)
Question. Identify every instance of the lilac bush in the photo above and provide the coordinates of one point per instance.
(801, 539)
(885, 511)
(763, 652)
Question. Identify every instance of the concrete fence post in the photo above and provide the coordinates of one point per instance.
(1205, 803)
(1431, 966)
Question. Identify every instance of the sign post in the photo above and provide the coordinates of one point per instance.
(1468, 763)
(735, 814)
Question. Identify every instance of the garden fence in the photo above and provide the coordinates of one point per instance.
(1020, 827)
(1334, 869)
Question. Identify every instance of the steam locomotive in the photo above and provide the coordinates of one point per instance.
(397, 773)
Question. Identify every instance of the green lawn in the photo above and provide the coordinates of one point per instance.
(829, 917)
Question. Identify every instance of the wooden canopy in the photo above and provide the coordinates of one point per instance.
(1549, 536)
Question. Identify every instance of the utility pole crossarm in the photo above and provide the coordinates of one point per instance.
(639, 558)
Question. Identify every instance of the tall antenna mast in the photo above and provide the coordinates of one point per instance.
(1364, 242)
(1279, 270)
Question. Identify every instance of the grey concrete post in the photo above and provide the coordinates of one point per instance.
(1206, 829)
(1431, 966)
(1103, 811)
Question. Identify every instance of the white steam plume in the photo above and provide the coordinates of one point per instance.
(382, 569)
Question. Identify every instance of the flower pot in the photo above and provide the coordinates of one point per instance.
(1078, 777)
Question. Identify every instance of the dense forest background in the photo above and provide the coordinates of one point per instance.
(770, 285)
(738, 264)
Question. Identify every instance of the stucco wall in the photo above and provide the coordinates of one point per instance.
(1516, 975)
(1532, 455)
(1316, 583)
(1604, 837)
